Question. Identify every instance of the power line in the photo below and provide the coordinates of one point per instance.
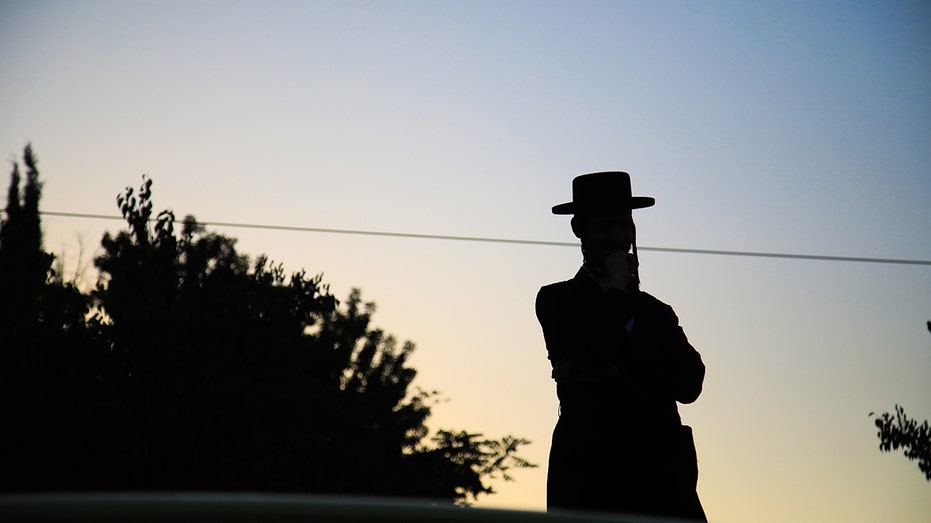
(516, 241)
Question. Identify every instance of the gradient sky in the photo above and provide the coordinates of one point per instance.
(791, 127)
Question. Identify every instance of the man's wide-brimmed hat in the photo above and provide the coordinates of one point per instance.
(603, 190)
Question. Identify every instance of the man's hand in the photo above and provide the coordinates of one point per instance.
(618, 269)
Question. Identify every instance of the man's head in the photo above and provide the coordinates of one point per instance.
(601, 207)
(603, 232)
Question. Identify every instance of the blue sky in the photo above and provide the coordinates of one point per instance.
(798, 127)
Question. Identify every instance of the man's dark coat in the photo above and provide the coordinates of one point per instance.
(621, 363)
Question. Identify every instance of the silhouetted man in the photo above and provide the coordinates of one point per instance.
(621, 362)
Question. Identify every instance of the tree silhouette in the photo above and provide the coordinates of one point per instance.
(899, 431)
(197, 368)
(23, 262)
(47, 344)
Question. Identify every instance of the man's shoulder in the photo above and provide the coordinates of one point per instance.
(562, 287)
(556, 286)
(552, 290)
(648, 298)
(559, 294)
(649, 302)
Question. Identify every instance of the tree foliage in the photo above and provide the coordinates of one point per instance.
(192, 367)
(899, 431)
(24, 265)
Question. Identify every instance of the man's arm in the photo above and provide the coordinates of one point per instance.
(660, 362)
(675, 364)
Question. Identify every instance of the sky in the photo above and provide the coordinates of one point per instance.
(782, 127)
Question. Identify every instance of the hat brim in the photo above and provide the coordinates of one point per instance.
(635, 202)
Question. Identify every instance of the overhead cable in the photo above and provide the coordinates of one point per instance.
(515, 241)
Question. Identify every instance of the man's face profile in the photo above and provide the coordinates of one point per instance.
(604, 232)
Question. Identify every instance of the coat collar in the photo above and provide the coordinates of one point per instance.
(584, 280)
